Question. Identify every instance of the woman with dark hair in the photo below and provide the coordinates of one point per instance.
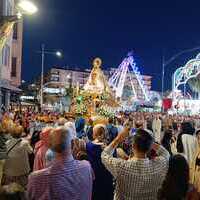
(198, 137)
(89, 130)
(196, 166)
(80, 125)
(187, 143)
(176, 183)
(166, 141)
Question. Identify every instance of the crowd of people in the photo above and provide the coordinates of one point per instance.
(133, 156)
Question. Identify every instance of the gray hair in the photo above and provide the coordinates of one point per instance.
(61, 139)
(71, 126)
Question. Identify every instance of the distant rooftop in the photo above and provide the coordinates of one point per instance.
(81, 69)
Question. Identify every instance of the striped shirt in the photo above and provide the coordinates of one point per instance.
(63, 180)
(138, 179)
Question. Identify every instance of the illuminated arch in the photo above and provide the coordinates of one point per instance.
(183, 74)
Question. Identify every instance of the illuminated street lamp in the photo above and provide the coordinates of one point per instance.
(43, 52)
(7, 22)
(59, 54)
(26, 7)
(68, 76)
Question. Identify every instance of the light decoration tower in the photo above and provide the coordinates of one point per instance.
(117, 80)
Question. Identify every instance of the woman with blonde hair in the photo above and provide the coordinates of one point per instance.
(17, 167)
(103, 182)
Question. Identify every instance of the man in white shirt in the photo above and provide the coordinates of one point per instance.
(156, 126)
(138, 178)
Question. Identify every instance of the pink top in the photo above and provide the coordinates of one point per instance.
(39, 161)
(41, 148)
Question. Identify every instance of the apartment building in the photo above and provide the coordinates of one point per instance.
(73, 76)
(10, 57)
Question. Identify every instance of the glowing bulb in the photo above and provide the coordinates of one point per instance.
(27, 6)
(59, 54)
(19, 15)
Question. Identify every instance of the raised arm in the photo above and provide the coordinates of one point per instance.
(162, 153)
(111, 163)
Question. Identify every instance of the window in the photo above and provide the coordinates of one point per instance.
(55, 78)
(1, 7)
(6, 55)
(8, 8)
(56, 72)
(15, 31)
(14, 67)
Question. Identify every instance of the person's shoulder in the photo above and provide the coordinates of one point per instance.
(39, 173)
(24, 141)
(83, 163)
(90, 144)
(189, 137)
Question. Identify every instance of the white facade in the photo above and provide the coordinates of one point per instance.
(72, 76)
(8, 83)
(5, 55)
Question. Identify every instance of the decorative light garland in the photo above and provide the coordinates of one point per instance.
(117, 81)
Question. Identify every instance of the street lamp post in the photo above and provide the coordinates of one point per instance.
(165, 63)
(163, 74)
(43, 52)
(42, 77)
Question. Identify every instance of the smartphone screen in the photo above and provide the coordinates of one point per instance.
(133, 131)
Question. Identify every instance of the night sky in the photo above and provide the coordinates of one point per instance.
(109, 29)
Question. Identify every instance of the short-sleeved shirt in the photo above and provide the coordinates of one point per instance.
(138, 179)
(64, 179)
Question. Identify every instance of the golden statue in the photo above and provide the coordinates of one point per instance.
(96, 92)
(97, 83)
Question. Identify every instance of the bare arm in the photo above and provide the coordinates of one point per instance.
(111, 163)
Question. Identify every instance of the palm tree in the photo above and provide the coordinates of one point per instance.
(194, 84)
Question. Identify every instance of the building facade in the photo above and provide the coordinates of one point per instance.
(16, 60)
(10, 57)
(68, 76)
(71, 77)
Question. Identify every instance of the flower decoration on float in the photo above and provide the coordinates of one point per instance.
(81, 109)
(106, 112)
